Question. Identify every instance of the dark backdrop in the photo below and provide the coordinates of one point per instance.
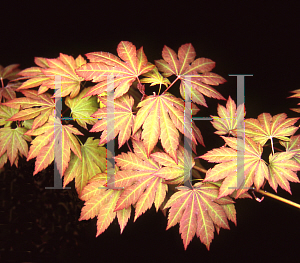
(250, 37)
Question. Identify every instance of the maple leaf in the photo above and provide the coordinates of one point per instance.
(35, 76)
(255, 168)
(228, 118)
(44, 75)
(65, 67)
(6, 113)
(29, 109)
(198, 211)
(234, 194)
(121, 118)
(10, 73)
(8, 92)
(143, 178)
(92, 161)
(281, 170)
(155, 78)
(101, 202)
(3, 160)
(266, 127)
(184, 164)
(103, 64)
(162, 116)
(27, 124)
(293, 146)
(13, 143)
(83, 108)
(53, 139)
(296, 95)
(186, 65)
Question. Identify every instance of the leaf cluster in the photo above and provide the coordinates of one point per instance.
(107, 92)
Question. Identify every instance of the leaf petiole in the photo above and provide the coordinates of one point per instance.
(263, 192)
(78, 139)
(272, 145)
(200, 169)
(170, 85)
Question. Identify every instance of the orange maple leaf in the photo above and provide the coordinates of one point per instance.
(44, 75)
(266, 127)
(29, 110)
(50, 137)
(198, 211)
(256, 170)
(143, 178)
(10, 73)
(282, 170)
(162, 116)
(122, 120)
(293, 146)
(101, 202)
(199, 70)
(296, 95)
(124, 72)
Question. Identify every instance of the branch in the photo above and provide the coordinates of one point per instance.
(263, 192)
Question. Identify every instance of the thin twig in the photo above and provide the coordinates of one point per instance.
(128, 146)
(200, 169)
(263, 192)
(170, 85)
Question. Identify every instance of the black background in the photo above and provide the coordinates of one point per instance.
(241, 37)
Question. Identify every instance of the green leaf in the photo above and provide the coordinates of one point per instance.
(5, 114)
(155, 78)
(93, 162)
(13, 142)
(83, 108)
(228, 118)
